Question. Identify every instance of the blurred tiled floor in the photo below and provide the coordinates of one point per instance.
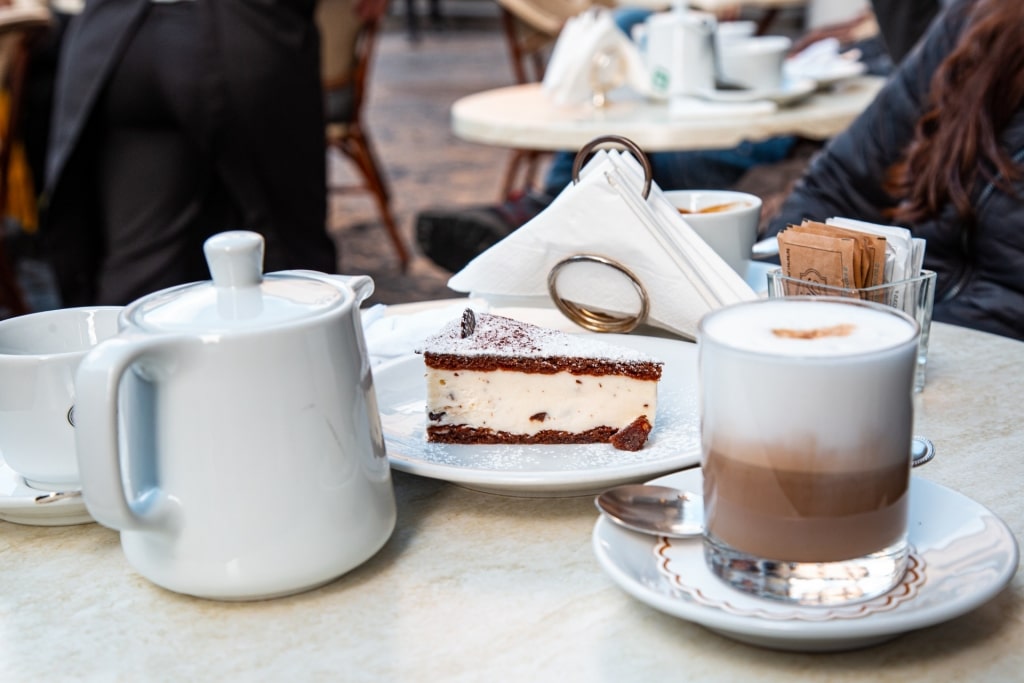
(413, 84)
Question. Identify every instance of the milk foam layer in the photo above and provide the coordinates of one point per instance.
(753, 328)
(827, 405)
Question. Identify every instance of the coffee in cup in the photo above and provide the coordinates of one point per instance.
(39, 355)
(807, 420)
(726, 220)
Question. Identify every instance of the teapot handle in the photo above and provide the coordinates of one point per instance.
(97, 390)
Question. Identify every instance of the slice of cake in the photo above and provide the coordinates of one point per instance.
(493, 380)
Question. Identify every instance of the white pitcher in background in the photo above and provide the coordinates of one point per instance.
(680, 53)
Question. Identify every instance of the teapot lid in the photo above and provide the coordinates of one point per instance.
(240, 297)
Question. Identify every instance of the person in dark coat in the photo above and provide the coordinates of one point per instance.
(939, 151)
(902, 22)
(176, 120)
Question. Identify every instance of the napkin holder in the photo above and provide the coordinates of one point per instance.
(612, 216)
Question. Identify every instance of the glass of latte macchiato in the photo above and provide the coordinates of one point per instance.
(806, 428)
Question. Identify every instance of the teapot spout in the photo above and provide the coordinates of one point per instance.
(361, 285)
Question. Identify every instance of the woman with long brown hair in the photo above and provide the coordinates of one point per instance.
(940, 151)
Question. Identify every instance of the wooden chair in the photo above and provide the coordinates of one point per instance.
(19, 27)
(531, 28)
(347, 49)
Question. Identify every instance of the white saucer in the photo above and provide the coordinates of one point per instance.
(790, 92)
(562, 470)
(756, 275)
(965, 555)
(828, 73)
(766, 248)
(18, 503)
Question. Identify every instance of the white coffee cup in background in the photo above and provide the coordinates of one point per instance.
(756, 62)
(39, 355)
(726, 220)
(734, 30)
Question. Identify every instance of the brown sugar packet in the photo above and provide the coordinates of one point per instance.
(814, 258)
(813, 228)
(871, 248)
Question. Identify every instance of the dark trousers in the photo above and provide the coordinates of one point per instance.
(185, 141)
(157, 189)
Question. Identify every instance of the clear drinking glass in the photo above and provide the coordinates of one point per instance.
(806, 424)
(607, 72)
(914, 296)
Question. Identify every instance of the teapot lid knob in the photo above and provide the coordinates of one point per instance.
(235, 258)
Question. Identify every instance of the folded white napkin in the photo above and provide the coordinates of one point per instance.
(822, 61)
(568, 75)
(604, 214)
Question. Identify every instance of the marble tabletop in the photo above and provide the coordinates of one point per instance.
(523, 117)
(474, 586)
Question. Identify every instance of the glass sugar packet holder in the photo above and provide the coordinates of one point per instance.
(915, 296)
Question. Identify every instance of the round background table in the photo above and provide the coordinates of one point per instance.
(523, 117)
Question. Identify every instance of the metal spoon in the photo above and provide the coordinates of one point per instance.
(922, 450)
(54, 496)
(666, 511)
(649, 509)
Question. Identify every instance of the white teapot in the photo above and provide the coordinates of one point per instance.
(247, 459)
(680, 53)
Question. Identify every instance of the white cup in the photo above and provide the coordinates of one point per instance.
(756, 62)
(726, 220)
(733, 30)
(39, 355)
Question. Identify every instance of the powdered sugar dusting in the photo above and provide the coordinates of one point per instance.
(495, 335)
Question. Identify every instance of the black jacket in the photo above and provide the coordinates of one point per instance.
(980, 263)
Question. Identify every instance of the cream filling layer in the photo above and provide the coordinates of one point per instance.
(525, 403)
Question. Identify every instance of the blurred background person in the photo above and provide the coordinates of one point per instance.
(940, 152)
(174, 120)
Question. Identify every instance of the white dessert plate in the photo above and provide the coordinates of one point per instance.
(790, 92)
(963, 556)
(18, 503)
(560, 470)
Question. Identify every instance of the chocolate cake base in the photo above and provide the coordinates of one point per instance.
(631, 438)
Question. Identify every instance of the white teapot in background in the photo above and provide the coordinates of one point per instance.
(680, 52)
(247, 460)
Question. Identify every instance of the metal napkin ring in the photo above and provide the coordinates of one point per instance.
(634, 148)
(598, 321)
